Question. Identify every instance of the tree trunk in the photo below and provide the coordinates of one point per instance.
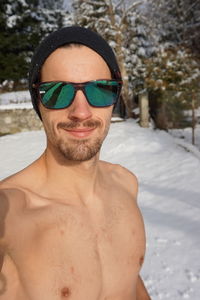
(120, 32)
(144, 110)
(193, 119)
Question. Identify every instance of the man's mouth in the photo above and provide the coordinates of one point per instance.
(80, 132)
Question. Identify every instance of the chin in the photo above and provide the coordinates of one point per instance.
(79, 150)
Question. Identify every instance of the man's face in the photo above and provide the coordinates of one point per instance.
(77, 132)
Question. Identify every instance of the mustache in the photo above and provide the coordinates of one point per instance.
(77, 124)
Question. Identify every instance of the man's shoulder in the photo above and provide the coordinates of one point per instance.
(122, 176)
(124, 172)
(20, 179)
(11, 193)
(120, 170)
(17, 182)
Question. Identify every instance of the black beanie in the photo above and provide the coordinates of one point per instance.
(67, 35)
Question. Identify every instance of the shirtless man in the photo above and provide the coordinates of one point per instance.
(70, 227)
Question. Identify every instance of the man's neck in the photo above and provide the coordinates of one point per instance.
(77, 179)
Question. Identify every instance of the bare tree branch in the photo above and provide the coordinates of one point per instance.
(119, 4)
(134, 5)
(191, 7)
(129, 9)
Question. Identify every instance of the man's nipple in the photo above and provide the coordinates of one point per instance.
(65, 292)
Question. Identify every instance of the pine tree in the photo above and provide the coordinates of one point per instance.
(174, 75)
(17, 39)
(23, 25)
(177, 22)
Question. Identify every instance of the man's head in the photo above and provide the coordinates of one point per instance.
(69, 70)
(66, 36)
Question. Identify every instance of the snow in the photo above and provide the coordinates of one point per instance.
(15, 97)
(189, 112)
(169, 198)
(17, 106)
(184, 136)
(15, 100)
(12, 20)
(189, 147)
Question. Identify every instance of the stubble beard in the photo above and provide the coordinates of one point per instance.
(79, 150)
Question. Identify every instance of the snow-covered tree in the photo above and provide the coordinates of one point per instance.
(126, 30)
(172, 69)
(15, 38)
(23, 24)
(174, 75)
(177, 22)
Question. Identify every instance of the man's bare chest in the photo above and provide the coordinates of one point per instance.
(104, 244)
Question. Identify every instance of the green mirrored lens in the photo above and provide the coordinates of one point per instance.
(102, 92)
(56, 95)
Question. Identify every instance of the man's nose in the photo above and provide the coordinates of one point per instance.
(80, 108)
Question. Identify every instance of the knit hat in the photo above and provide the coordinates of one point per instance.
(67, 35)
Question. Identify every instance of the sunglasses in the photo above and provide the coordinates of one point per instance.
(60, 94)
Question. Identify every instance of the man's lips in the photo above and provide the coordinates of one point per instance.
(80, 132)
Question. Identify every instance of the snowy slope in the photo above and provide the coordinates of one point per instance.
(169, 198)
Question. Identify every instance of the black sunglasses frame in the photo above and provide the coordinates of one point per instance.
(79, 86)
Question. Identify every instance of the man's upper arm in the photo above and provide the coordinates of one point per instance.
(131, 182)
(141, 292)
(4, 207)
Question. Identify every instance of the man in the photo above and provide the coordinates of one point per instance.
(70, 227)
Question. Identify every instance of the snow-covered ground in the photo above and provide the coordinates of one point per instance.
(14, 98)
(169, 198)
(186, 135)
